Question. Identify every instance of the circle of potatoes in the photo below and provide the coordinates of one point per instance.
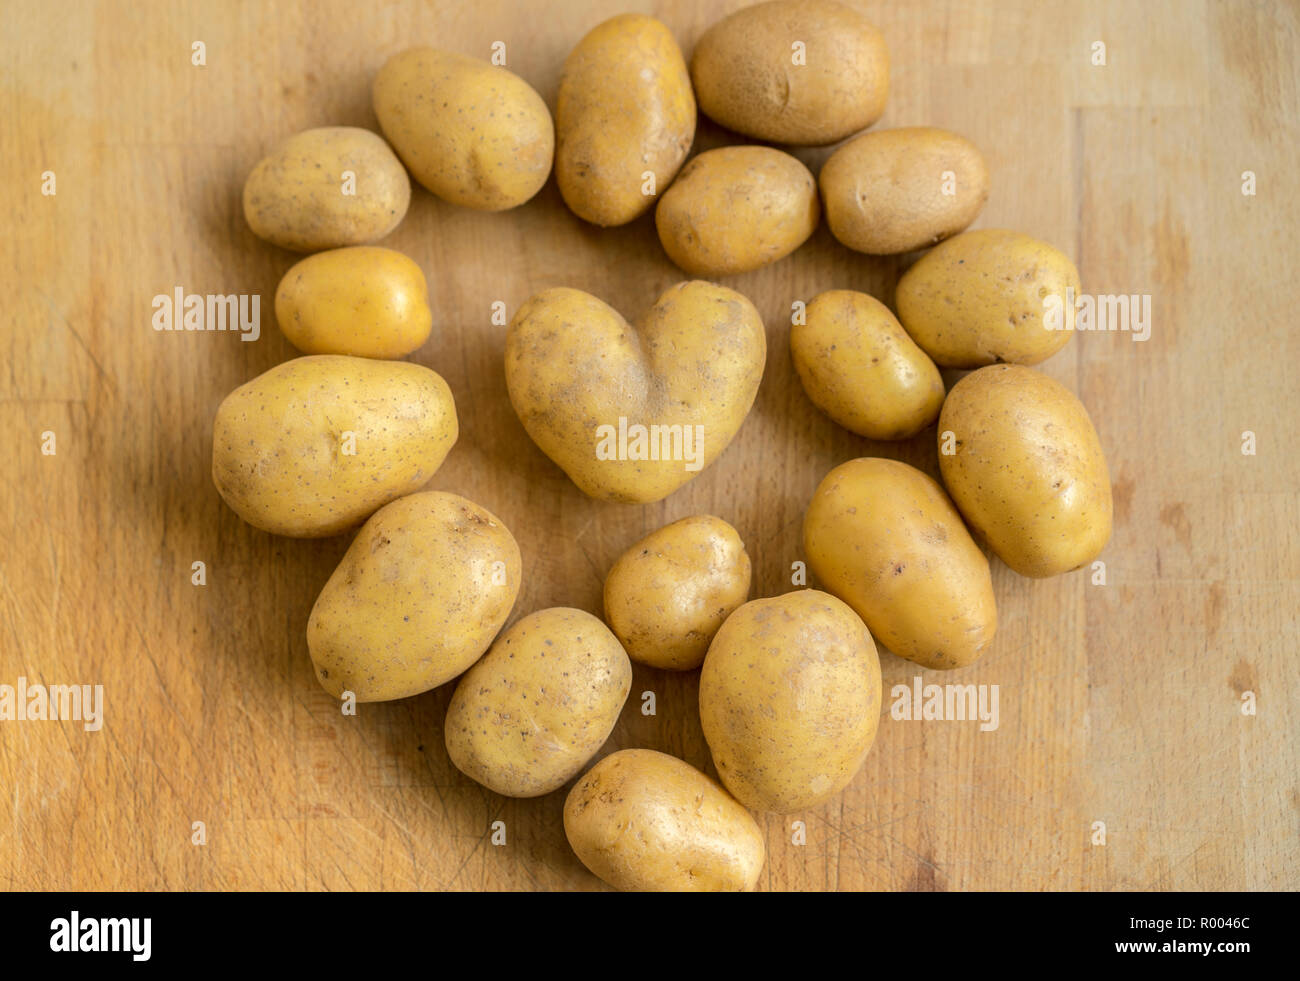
(790, 687)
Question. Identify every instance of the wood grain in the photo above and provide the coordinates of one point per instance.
(1119, 703)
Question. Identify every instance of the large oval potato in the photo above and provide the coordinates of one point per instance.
(417, 598)
(668, 594)
(1028, 472)
(300, 196)
(979, 298)
(802, 72)
(315, 445)
(632, 413)
(540, 703)
(790, 700)
(648, 822)
(471, 132)
(737, 208)
(883, 537)
(896, 190)
(364, 301)
(858, 365)
(625, 108)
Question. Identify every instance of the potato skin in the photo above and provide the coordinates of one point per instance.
(737, 208)
(471, 132)
(668, 594)
(365, 301)
(648, 822)
(416, 599)
(294, 196)
(976, 299)
(858, 365)
(278, 441)
(539, 704)
(745, 77)
(1028, 474)
(573, 364)
(625, 106)
(883, 537)
(790, 700)
(883, 191)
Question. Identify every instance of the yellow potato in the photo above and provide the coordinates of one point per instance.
(365, 301)
(803, 72)
(326, 188)
(668, 594)
(315, 445)
(632, 413)
(648, 822)
(790, 700)
(1027, 469)
(417, 598)
(883, 537)
(540, 703)
(471, 132)
(735, 209)
(858, 365)
(895, 190)
(625, 108)
(979, 298)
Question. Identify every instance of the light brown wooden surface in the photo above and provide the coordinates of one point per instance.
(1119, 703)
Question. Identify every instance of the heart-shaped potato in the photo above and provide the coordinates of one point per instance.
(631, 413)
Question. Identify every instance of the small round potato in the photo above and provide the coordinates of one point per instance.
(540, 703)
(417, 598)
(648, 822)
(316, 445)
(984, 297)
(737, 208)
(896, 190)
(625, 109)
(790, 700)
(471, 132)
(802, 72)
(631, 413)
(1028, 473)
(669, 593)
(883, 537)
(858, 365)
(326, 188)
(364, 301)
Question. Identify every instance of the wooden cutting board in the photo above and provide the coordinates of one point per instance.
(1121, 714)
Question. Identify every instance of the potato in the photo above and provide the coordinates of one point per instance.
(298, 196)
(1027, 470)
(896, 190)
(471, 132)
(978, 299)
(802, 72)
(315, 445)
(625, 108)
(790, 700)
(632, 413)
(858, 365)
(645, 821)
(540, 703)
(883, 537)
(417, 598)
(363, 301)
(668, 594)
(735, 209)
